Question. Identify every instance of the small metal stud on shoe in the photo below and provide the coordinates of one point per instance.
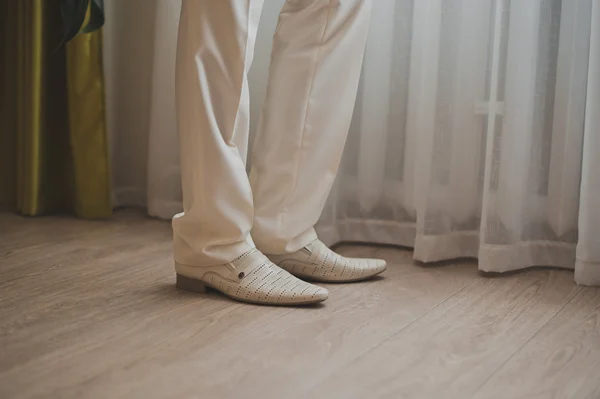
(241, 275)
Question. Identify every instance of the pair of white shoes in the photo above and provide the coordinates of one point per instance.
(275, 279)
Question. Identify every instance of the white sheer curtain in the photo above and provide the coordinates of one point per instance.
(476, 131)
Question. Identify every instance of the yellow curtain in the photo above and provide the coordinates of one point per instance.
(53, 143)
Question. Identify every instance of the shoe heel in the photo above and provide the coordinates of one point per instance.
(190, 284)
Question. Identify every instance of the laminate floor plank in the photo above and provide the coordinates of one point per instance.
(561, 361)
(454, 348)
(89, 309)
(284, 357)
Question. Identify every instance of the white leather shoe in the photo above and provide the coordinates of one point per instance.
(251, 278)
(316, 262)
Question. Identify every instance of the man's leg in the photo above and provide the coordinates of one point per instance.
(212, 245)
(215, 47)
(315, 68)
(313, 78)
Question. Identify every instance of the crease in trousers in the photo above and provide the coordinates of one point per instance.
(316, 60)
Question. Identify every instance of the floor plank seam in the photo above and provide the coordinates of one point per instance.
(533, 335)
(374, 347)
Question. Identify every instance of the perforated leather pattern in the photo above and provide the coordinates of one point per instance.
(317, 262)
(264, 282)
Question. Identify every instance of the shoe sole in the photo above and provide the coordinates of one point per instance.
(198, 286)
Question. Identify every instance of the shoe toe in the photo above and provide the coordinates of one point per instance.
(320, 294)
(380, 265)
(375, 267)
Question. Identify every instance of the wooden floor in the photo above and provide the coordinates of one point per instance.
(89, 310)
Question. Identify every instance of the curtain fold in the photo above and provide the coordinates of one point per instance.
(87, 127)
(475, 132)
(587, 267)
(52, 160)
(129, 38)
(484, 136)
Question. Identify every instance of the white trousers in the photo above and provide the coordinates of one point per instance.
(313, 78)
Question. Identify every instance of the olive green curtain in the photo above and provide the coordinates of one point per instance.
(53, 143)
